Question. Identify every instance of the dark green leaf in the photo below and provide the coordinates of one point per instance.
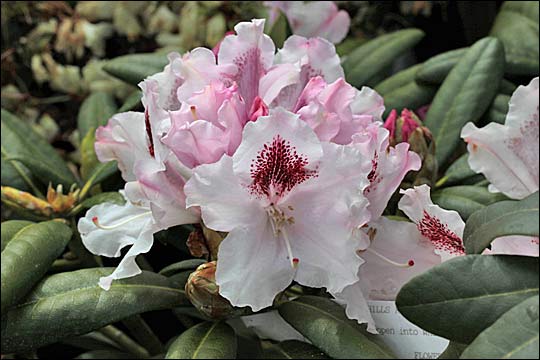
(280, 31)
(402, 91)
(10, 228)
(208, 340)
(497, 110)
(293, 349)
(458, 172)
(136, 67)
(11, 177)
(435, 70)
(452, 351)
(104, 354)
(20, 141)
(95, 111)
(507, 87)
(513, 336)
(363, 64)
(465, 94)
(324, 323)
(78, 305)
(516, 26)
(501, 219)
(461, 297)
(190, 264)
(28, 256)
(100, 172)
(133, 100)
(465, 199)
(92, 341)
(110, 197)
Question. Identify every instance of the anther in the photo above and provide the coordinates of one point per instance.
(193, 109)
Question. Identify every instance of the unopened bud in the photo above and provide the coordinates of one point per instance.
(203, 292)
(26, 201)
(59, 202)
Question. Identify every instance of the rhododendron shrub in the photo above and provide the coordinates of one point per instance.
(261, 201)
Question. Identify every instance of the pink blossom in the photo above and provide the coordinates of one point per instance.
(507, 154)
(287, 201)
(312, 19)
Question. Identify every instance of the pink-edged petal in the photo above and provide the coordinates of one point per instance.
(224, 203)
(279, 130)
(507, 154)
(164, 190)
(252, 52)
(323, 20)
(354, 299)
(195, 143)
(326, 125)
(123, 139)
(169, 81)
(232, 114)
(276, 79)
(502, 154)
(198, 68)
(253, 266)
(444, 228)
(389, 166)
(402, 243)
(327, 211)
(368, 102)
(515, 245)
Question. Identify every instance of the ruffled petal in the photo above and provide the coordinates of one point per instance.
(323, 233)
(353, 297)
(507, 154)
(324, 20)
(252, 52)
(277, 78)
(224, 203)
(368, 102)
(123, 139)
(444, 228)
(280, 126)
(253, 266)
(169, 81)
(389, 166)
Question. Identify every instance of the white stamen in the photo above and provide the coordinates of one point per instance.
(404, 265)
(111, 227)
(294, 261)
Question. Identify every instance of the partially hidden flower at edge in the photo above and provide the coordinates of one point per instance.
(313, 18)
(507, 155)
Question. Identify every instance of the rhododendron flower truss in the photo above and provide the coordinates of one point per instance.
(314, 18)
(292, 206)
(508, 154)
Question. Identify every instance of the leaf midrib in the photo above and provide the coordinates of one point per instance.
(472, 298)
(343, 322)
(205, 337)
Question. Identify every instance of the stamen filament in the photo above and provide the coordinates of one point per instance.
(112, 227)
(294, 261)
(404, 265)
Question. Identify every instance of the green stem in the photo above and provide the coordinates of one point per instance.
(124, 341)
(144, 334)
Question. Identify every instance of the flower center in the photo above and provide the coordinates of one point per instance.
(440, 235)
(277, 168)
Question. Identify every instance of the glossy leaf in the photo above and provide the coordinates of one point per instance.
(293, 349)
(20, 142)
(325, 325)
(78, 305)
(459, 172)
(28, 256)
(190, 264)
(136, 67)
(364, 64)
(111, 197)
(10, 228)
(95, 111)
(435, 70)
(465, 94)
(516, 26)
(513, 336)
(11, 177)
(465, 199)
(500, 219)
(461, 297)
(402, 91)
(208, 340)
(497, 110)
(132, 101)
